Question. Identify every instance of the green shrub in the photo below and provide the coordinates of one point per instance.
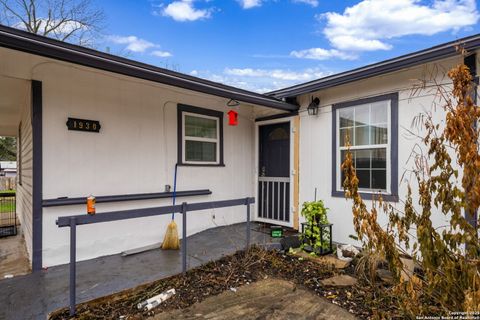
(315, 214)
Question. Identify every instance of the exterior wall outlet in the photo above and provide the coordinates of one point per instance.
(168, 188)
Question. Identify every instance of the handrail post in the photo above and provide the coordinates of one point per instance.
(184, 237)
(248, 223)
(73, 258)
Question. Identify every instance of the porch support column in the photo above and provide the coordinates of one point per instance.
(36, 114)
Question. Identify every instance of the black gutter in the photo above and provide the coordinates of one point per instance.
(127, 197)
(442, 51)
(46, 47)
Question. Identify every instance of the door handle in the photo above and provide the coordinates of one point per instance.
(263, 171)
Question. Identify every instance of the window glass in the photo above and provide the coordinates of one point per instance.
(379, 112)
(362, 158)
(200, 127)
(379, 134)
(367, 127)
(346, 134)
(346, 118)
(379, 158)
(363, 178)
(362, 136)
(379, 179)
(200, 151)
(200, 139)
(362, 114)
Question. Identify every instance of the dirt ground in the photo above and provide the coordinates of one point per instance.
(266, 299)
(240, 271)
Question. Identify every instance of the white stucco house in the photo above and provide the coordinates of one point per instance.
(83, 116)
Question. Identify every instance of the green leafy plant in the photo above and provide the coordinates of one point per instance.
(315, 214)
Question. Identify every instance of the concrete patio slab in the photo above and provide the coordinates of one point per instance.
(267, 299)
(13, 256)
(35, 295)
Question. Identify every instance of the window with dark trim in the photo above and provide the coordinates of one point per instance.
(371, 127)
(200, 136)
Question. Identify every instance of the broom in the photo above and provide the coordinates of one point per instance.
(171, 242)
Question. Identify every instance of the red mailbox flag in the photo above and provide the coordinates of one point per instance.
(232, 117)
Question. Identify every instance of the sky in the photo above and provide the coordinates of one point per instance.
(264, 45)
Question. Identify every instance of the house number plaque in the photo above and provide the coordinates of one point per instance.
(83, 125)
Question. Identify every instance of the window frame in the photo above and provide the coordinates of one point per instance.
(182, 111)
(391, 192)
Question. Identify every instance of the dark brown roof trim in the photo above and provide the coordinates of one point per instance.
(27, 42)
(409, 60)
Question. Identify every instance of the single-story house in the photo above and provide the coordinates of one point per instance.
(8, 169)
(81, 115)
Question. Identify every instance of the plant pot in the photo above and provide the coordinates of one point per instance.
(408, 268)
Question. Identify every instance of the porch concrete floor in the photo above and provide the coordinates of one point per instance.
(35, 295)
(13, 256)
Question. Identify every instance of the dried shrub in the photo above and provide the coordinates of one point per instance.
(367, 266)
(447, 181)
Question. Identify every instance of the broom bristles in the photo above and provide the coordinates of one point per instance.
(171, 241)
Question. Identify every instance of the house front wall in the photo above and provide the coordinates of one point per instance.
(134, 152)
(316, 136)
(24, 183)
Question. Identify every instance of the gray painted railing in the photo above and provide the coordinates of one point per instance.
(74, 221)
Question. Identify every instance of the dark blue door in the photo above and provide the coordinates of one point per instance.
(274, 172)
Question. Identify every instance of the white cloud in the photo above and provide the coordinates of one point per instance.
(261, 80)
(161, 54)
(367, 25)
(57, 26)
(184, 10)
(322, 54)
(248, 4)
(279, 74)
(133, 43)
(313, 3)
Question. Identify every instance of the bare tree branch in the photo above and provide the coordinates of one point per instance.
(75, 21)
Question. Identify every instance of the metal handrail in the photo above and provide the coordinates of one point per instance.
(74, 221)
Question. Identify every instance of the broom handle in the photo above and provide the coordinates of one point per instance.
(174, 188)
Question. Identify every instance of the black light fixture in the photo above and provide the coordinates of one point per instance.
(313, 107)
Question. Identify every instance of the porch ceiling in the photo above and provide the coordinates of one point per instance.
(14, 95)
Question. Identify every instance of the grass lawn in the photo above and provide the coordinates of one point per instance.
(7, 207)
(8, 204)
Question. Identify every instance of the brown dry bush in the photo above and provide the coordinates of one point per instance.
(448, 180)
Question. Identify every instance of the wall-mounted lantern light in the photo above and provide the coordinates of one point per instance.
(313, 107)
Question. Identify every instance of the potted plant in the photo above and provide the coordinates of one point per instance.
(316, 236)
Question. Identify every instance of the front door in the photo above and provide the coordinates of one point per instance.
(274, 174)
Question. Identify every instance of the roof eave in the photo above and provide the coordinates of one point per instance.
(50, 48)
(414, 59)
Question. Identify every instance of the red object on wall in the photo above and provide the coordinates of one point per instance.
(232, 118)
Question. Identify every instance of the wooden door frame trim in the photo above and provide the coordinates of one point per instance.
(294, 165)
